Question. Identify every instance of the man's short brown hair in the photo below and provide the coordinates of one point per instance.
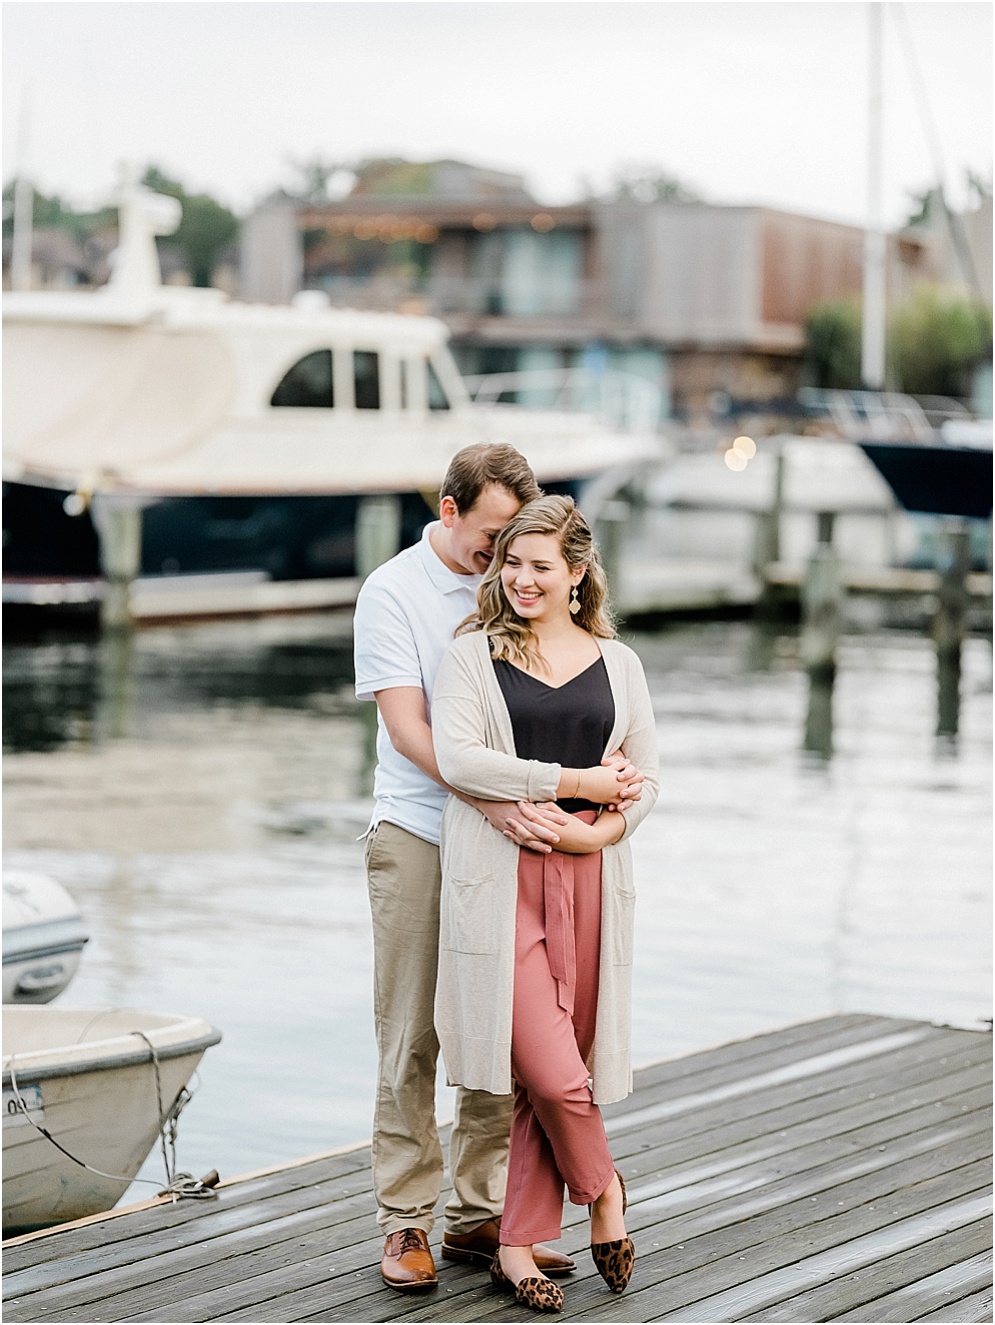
(473, 468)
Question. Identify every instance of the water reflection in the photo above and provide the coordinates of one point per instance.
(947, 699)
(116, 691)
(818, 731)
(51, 694)
(762, 647)
(69, 690)
(818, 739)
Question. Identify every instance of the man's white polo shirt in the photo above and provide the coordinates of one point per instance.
(406, 614)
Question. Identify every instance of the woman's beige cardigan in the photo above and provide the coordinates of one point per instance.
(475, 749)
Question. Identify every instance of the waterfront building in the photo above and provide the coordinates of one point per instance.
(706, 301)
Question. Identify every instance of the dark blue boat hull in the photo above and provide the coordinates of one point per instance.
(285, 537)
(936, 480)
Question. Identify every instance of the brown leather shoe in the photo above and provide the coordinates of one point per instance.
(481, 1243)
(407, 1263)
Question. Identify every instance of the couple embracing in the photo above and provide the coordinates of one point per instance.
(516, 753)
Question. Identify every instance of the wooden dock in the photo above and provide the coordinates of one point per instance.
(834, 1170)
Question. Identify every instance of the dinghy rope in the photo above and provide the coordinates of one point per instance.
(180, 1186)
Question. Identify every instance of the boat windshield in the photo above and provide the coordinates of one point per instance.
(437, 398)
(308, 384)
(366, 378)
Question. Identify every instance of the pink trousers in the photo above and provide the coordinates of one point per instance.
(557, 1133)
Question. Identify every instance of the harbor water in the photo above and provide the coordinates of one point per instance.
(201, 793)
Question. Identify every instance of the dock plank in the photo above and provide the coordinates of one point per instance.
(975, 1307)
(678, 1238)
(274, 1225)
(723, 1212)
(301, 1187)
(797, 1041)
(831, 1169)
(958, 1278)
(154, 1218)
(712, 1288)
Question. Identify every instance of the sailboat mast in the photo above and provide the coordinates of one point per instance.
(872, 329)
(24, 200)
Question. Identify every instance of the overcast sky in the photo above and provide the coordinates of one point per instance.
(746, 102)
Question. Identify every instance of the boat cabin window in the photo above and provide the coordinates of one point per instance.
(366, 376)
(308, 385)
(437, 398)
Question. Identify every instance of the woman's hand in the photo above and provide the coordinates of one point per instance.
(633, 787)
(602, 785)
(581, 839)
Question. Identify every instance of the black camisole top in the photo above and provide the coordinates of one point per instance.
(568, 724)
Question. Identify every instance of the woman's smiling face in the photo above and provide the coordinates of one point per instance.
(537, 579)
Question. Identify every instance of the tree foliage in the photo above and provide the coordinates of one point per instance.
(832, 345)
(52, 212)
(646, 182)
(937, 340)
(394, 175)
(318, 180)
(205, 231)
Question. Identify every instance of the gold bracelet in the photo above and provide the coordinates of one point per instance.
(576, 795)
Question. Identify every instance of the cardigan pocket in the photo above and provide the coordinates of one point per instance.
(468, 915)
(622, 899)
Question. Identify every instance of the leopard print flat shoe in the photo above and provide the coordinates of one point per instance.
(536, 1292)
(614, 1262)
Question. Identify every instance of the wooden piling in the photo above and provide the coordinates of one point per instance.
(949, 627)
(767, 544)
(610, 534)
(119, 530)
(378, 532)
(822, 604)
(948, 622)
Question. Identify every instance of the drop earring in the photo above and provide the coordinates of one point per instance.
(574, 601)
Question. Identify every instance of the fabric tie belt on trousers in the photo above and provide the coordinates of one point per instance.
(558, 905)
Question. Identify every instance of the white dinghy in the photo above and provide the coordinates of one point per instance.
(43, 937)
(103, 1084)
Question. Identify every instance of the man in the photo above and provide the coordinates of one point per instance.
(406, 614)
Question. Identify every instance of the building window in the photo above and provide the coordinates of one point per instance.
(366, 376)
(518, 273)
(437, 398)
(308, 385)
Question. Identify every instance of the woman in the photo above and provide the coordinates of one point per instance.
(536, 949)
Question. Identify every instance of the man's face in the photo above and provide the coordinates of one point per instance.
(472, 534)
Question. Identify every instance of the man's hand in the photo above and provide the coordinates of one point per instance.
(534, 827)
(633, 780)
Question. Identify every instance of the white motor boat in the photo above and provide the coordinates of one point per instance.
(43, 937)
(223, 457)
(99, 1082)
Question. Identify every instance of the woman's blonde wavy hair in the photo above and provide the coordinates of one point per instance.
(511, 636)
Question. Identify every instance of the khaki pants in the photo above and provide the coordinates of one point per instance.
(405, 881)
